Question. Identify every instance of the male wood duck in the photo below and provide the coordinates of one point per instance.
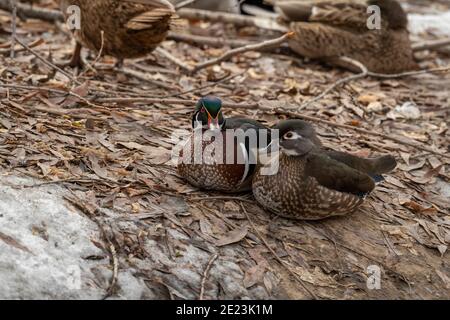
(313, 182)
(329, 29)
(210, 172)
(132, 28)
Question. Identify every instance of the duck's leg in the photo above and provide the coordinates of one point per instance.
(119, 63)
(75, 61)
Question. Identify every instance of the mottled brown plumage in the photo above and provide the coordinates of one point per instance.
(313, 182)
(132, 28)
(329, 29)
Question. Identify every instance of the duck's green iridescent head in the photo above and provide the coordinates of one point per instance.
(208, 113)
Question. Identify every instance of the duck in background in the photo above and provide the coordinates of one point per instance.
(313, 182)
(329, 29)
(230, 6)
(132, 28)
(228, 176)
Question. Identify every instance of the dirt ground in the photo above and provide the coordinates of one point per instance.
(114, 158)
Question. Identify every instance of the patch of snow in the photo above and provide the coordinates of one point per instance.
(438, 24)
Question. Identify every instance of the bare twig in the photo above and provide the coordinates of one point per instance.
(13, 27)
(33, 44)
(166, 54)
(312, 294)
(115, 263)
(205, 275)
(252, 47)
(430, 45)
(100, 52)
(408, 73)
(209, 41)
(364, 73)
(235, 19)
(173, 101)
(342, 81)
(145, 77)
(45, 61)
(26, 10)
(25, 87)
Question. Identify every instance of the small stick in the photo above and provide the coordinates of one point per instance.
(26, 10)
(13, 27)
(430, 45)
(209, 41)
(145, 77)
(173, 101)
(312, 294)
(252, 47)
(205, 275)
(100, 52)
(24, 87)
(45, 61)
(235, 19)
(33, 44)
(363, 74)
(115, 263)
(166, 54)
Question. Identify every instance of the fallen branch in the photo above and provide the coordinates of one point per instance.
(205, 275)
(436, 44)
(235, 19)
(363, 74)
(45, 61)
(114, 277)
(173, 101)
(166, 54)
(145, 77)
(33, 44)
(252, 47)
(13, 28)
(34, 12)
(209, 41)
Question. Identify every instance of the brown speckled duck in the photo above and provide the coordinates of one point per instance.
(313, 182)
(132, 28)
(328, 29)
(211, 173)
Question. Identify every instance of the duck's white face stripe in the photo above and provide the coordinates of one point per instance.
(292, 135)
(290, 152)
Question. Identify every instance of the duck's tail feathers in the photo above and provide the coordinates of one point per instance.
(384, 164)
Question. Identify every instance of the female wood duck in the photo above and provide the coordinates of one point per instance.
(329, 29)
(313, 182)
(211, 170)
(132, 28)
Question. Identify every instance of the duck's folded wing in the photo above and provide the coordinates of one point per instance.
(162, 11)
(337, 13)
(371, 166)
(336, 175)
(148, 19)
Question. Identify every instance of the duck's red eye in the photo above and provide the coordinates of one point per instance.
(202, 110)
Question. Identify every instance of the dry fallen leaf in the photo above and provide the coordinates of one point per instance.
(233, 236)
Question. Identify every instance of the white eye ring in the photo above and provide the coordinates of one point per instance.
(290, 135)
